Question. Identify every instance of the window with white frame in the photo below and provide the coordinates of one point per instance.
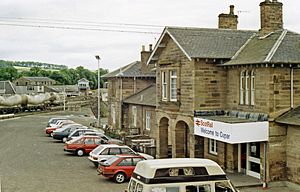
(148, 120)
(134, 116)
(247, 83)
(247, 87)
(173, 85)
(242, 88)
(213, 147)
(164, 85)
(113, 114)
(252, 88)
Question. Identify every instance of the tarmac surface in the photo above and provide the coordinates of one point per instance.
(31, 161)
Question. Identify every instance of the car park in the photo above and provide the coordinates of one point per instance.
(63, 133)
(104, 152)
(83, 145)
(119, 167)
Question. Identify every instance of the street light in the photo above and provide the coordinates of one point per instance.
(99, 118)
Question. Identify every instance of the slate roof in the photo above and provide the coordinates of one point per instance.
(131, 70)
(204, 42)
(292, 117)
(145, 97)
(38, 78)
(83, 80)
(62, 88)
(282, 46)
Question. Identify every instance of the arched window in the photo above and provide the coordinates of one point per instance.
(242, 87)
(247, 87)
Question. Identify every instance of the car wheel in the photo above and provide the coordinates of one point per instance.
(64, 139)
(51, 134)
(80, 152)
(96, 164)
(119, 178)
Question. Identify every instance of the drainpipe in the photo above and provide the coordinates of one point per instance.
(292, 87)
(265, 186)
(134, 86)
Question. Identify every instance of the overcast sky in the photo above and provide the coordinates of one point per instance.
(78, 47)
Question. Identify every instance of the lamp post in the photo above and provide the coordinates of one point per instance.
(99, 118)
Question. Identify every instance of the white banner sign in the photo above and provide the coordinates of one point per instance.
(232, 132)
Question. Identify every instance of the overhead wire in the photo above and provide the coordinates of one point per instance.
(80, 25)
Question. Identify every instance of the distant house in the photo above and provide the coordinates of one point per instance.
(32, 85)
(7, 88)
(41, 81)
(84, 86)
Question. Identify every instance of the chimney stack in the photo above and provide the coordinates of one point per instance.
(270, 16)
(228, 21)
(144, 57)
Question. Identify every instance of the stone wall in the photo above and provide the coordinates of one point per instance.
(276, 152)
(141, 119)
(293, 154)
(209, 85)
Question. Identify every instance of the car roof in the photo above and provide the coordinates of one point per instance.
(149, 167)
(114, 145)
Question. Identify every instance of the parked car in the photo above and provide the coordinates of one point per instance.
(83, 145)
(54, 120)
(59, 124)
(77, 133)
(119, 167)
(63, 133)
(104, 152)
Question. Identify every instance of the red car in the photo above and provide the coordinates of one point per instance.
(83, 145)
(119, 167)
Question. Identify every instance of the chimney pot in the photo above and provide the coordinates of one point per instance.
(231, 9)
(150, 47)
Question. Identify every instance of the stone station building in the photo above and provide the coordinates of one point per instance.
(220, 92)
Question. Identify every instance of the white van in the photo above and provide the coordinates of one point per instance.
(179, 175)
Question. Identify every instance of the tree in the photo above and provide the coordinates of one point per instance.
(8, 73)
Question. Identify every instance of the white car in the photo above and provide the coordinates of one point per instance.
(105, 151)
(77, 133)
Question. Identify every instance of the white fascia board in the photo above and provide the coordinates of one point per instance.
(187, 55)
(157, 45)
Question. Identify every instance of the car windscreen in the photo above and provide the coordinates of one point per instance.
(111, 160)
(98, 149)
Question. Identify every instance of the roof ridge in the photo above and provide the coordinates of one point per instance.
(217, 29)
(276, 46)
